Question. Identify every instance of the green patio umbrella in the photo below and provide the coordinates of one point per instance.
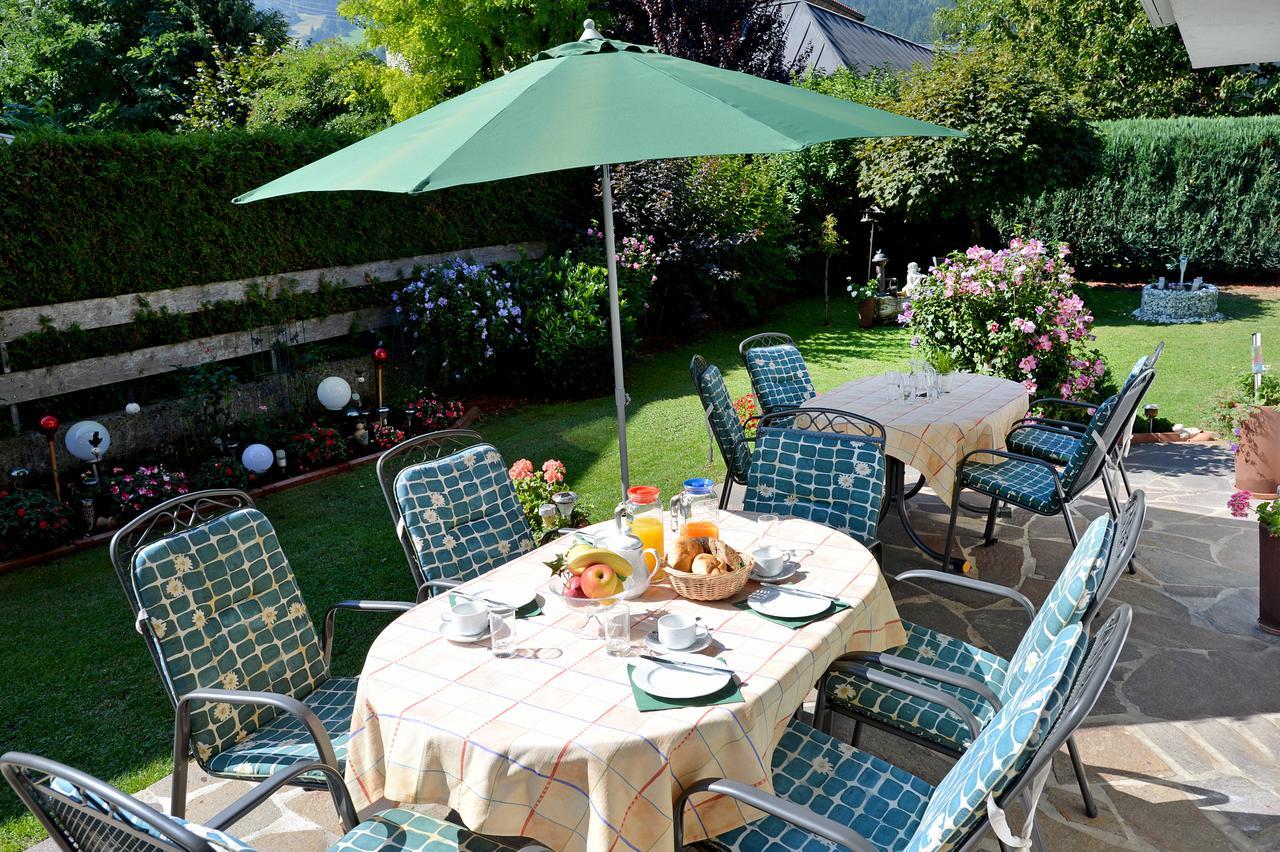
(591, 103)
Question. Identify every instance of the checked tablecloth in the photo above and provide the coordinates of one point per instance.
(933, 435)
(549, 744)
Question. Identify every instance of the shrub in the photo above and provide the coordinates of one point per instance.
(316, 447)
(154, 211)
(747, 408)
(150, 485)
(428, 414)
(221, 472)
(460, 317)
(534, 489)
(31, 522)
(1203, 187)
(1009, 313)
(385, 436)
(1231, 408)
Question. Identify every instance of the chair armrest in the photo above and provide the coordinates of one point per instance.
(1063, 425)
(971, 584)
(1042, 427)
(1074, 403)
(326, 635)
(260, 793)
(919, 669)
(874, 430)
(909, 687)
(284, 703)
(789, 812)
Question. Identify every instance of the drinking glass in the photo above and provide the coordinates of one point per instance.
(502, 630)
(768, 526)
(893, 382)
(909, 382)
(617, 630)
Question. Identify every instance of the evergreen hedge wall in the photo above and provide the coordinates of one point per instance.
(83, 216)
(1205, 187)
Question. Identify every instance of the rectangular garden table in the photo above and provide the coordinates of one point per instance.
(932, 435)
(549, 744)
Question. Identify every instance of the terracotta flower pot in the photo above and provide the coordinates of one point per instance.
(867, 313)
(1268, 581)
(1258, 459)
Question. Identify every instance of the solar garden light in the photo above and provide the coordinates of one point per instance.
(881, 260)
(1150, 410)
(565, 501)
(548, 514)
(871, 216)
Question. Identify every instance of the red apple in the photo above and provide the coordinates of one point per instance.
(574, 588)
(600, 581)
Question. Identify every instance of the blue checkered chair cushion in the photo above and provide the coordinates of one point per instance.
(877, 799)
(1066, 603)
(1097, 423)
(462, 514)
(890, 807)
(400, 830)
(221, 601)
(779, 377)
(826, 477)
(725, 424)
(1023, 483)
(285, 741)
(1054, 446)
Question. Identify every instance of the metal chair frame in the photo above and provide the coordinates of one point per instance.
(1125, 533)
(186, 512)
(1095, 670)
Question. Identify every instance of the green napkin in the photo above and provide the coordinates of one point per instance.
(645, 703)
(797, 623)
(529, 610)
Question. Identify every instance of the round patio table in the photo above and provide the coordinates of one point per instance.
(549, 744)
(932, 436)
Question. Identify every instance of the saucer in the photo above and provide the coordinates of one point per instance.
(701, 643)
(788, 571)
(451, 633)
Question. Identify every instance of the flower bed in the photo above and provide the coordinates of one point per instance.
(1167, 305)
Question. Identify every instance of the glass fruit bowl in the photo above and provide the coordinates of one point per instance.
(591, 628)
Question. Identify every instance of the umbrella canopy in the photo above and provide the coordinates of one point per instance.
(591, 103)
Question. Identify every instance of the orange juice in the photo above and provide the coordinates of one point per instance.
(701, 529)
(649, 529)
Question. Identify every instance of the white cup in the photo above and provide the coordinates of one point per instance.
(469, 618)
(677, 631)
(769, 560)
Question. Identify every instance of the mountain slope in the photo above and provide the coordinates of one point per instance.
(911, 19)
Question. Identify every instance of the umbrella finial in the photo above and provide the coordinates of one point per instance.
(589, 30)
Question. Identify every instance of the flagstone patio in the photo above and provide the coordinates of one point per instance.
(1183, 748)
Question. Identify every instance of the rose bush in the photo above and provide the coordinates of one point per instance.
(1012, 313)
(150, 485)
(316, 447)
(32, 521)
(429, 414)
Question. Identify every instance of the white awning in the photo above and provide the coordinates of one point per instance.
(1222, 32)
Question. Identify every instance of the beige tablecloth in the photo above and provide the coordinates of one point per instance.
(550, 745)
(932, 436)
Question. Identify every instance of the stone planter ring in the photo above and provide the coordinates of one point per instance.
(1168, 305)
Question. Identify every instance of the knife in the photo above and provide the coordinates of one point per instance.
(696, 667)
(805, 593)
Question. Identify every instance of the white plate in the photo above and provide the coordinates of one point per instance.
(674, 682)
(788, 571)
(513, 596)
(699, 644)
(448, 631)
(779, 603)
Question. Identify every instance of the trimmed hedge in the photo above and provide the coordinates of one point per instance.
(1204, 187)
(84, 216)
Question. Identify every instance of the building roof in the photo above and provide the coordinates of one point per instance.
(836, 37)
(1226, 32)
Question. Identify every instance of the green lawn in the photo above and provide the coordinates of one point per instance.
(78, 685)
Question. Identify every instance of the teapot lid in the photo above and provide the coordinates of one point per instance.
(619, 541)
(699, 485)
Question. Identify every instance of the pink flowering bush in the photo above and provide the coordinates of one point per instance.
(1010, 313)
(534, 488)
(1268, 512)
(150, 485)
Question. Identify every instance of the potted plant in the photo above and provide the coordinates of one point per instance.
(1253, 427)
(945, 364)
(865, 296)
(1268, 556)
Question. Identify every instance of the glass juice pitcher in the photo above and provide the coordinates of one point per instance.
(642, 515)
(694, 511)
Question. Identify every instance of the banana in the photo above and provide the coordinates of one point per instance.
(582, 555)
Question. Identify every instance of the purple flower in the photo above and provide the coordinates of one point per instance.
(1238, 503)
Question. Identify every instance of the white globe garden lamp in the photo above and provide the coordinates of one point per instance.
(334, 393)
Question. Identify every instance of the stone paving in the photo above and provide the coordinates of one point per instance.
(1183, 748)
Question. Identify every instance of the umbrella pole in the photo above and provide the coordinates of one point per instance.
(615, 323)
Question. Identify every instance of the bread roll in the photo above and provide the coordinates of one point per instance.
(684, 551)
(704, 563)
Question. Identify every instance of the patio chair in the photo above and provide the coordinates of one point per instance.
(835, 478)
(453, 506)
(730, 436)
(1055, 440)
(81, 812)
(977, 680)
(826, 792)
(779, 376)
(216, 603)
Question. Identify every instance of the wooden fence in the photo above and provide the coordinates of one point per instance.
(42, 382)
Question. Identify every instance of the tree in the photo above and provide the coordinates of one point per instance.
(1107, 55)
(1024, 134)
(121, 64)
(743, 35)
(449, 47)
(331, 85)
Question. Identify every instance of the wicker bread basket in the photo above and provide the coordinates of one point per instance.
(712, 587)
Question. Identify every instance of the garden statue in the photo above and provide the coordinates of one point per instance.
(362, 434)
(914, 277)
